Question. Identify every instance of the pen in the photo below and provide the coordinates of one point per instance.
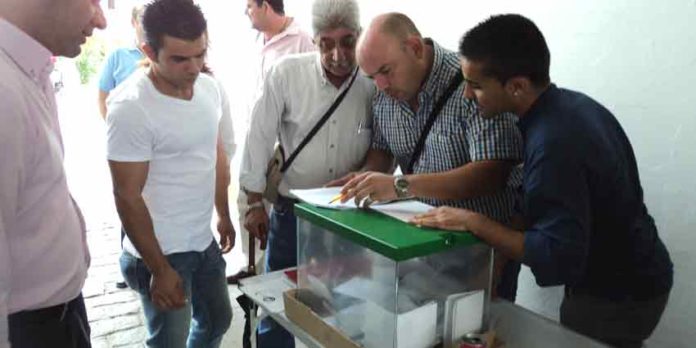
(337, 197)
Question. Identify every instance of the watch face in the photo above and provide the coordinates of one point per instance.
(402, 184)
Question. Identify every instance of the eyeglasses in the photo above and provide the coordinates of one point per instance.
(345, 43)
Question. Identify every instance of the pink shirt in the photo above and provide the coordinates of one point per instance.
(43, 249)
(291, 40)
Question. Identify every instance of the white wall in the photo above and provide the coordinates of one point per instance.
(636, 57)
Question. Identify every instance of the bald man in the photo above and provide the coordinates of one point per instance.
(466, 161)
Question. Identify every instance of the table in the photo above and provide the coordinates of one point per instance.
(512, 323)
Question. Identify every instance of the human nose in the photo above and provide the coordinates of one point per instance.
(468, 91)
(98, 18)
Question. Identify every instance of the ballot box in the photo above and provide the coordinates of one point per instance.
(380, 282)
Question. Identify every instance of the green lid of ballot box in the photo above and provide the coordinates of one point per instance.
(383, 234)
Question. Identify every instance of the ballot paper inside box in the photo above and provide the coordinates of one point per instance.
(384, 283)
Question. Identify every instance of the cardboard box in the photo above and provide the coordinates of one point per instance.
(312, 323)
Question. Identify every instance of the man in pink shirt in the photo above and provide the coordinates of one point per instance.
(279, 35)
(43, 250)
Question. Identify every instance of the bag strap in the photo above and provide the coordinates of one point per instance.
(319, 124)
(431, 120)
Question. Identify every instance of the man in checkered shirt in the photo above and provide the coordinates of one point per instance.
(467, 161)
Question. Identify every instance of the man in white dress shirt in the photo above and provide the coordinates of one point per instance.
(278, 35)
(297, 92)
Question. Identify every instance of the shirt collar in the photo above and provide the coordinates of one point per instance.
(29, 55)
(434, 80)
(536, 107)
(292, 29)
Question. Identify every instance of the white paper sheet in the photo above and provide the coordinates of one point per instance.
(321, 197)
(400, 210)
(403, 210)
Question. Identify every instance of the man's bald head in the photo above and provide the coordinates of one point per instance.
(389, 26)
(393, 53)
(397, 25)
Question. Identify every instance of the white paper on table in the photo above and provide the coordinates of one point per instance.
(321, 197)
(403, 210)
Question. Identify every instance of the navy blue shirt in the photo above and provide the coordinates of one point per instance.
(588, 227)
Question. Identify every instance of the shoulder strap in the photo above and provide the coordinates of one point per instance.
(319, 124)
(431, 120)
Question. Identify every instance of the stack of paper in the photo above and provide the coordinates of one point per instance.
(400, 210)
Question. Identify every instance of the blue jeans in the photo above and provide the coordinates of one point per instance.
(281, 253)
(203, 274)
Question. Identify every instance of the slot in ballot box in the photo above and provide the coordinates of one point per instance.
(384, 283)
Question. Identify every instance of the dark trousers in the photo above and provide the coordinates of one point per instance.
(64, 326)
(624, 323)
(507, 284)
(281, 253)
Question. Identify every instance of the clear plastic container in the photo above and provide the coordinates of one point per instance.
(384, 283)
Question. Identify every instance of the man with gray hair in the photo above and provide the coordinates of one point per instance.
(299, 91)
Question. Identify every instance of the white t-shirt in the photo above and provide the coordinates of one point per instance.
(178, 138)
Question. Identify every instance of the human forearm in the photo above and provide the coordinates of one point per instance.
(138, 225)
(222, 182)
(472, 180)
(508, 241)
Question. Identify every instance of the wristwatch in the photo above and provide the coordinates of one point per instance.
(401, 186)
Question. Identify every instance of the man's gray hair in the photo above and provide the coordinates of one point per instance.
(334, 14)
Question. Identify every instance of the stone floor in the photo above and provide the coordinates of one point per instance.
(114, 314)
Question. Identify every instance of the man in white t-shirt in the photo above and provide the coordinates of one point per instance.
(169, 141)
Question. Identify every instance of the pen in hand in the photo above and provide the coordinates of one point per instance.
(336, 198)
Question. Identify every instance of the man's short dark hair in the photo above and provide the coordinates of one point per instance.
(508, 45)
(276, 5)
(181, 19)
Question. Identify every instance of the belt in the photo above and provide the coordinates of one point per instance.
(54, 312)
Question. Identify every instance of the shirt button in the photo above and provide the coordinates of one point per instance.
(334, 121)
(331, 170)
(332, 146)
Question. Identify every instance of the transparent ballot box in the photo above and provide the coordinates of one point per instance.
(384, 283)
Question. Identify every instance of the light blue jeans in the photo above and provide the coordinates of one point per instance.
(203, 274)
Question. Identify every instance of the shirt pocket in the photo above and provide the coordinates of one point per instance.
(444, 151)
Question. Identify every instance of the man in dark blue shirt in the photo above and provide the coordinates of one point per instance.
(586, 225)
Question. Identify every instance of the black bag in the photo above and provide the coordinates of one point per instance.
(431, 120)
